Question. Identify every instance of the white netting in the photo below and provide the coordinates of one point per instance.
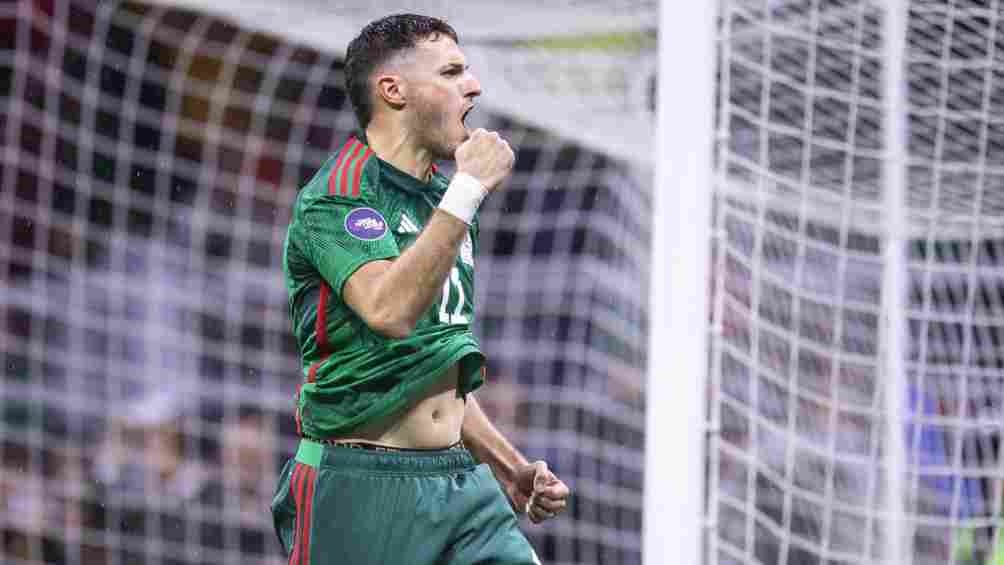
(797, 460)
(150, 155)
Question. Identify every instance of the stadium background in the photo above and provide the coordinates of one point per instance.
(150, 158)
(150, 154)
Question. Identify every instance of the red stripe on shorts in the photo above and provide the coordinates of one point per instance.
(295, 488)
(308, 505)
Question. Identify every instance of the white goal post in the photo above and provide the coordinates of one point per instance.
(804, 248)
(679, 301)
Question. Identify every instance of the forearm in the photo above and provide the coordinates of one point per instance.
(488, 445)
(414, 280)
(531, 488)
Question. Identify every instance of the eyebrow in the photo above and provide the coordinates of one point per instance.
(454, 65)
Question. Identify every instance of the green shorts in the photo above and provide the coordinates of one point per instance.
(360, 507)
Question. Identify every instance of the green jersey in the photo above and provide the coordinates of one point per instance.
(356, 209)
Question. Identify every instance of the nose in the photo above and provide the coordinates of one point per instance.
(472, 87)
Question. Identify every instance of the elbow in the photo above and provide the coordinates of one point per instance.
(379, 309)
(390, 325)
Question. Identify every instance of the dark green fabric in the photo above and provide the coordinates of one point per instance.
(374, 508)
(363, 376)
(369, 383)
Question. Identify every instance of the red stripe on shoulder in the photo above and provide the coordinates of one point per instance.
(357, 179)
(343, 170)
(333, 175)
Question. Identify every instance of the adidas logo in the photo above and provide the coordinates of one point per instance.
(407, 226)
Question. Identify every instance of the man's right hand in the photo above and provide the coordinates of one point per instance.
(486, 157)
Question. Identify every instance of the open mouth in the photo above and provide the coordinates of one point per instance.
(463, 117)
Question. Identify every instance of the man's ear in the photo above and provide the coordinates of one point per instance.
(391, 89)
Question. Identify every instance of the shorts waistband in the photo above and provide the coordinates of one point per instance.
(377, 447)
(448, 460)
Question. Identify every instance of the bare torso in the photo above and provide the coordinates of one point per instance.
(432, 421)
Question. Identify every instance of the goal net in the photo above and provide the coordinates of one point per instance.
(150, 156)
(798, 457)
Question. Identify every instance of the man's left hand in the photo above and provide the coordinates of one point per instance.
(538, 492)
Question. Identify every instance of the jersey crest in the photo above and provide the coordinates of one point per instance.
(366, 224)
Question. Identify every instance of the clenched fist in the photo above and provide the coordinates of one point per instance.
(537, 492)
(486, 157)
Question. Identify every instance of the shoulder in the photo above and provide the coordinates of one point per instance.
(354, 173)
(351, 177)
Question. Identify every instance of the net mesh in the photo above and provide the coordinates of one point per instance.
(150, 156)
(797, 458)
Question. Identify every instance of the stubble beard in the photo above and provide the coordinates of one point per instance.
(434, 126)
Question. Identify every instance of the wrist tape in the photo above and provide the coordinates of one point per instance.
(463, 197)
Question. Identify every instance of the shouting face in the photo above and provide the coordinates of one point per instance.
(440, 92)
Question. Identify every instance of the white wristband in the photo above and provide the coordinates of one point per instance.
(463, 197)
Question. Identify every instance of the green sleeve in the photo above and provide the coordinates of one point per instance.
(336, 245)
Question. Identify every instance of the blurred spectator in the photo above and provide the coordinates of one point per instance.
(248, 449)
(165, 505)
(41, 503)
(22, 504)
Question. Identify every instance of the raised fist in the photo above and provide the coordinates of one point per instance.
(486, 157)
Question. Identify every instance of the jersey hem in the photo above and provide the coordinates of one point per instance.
(471, 381)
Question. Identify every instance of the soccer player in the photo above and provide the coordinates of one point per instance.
(397, 463)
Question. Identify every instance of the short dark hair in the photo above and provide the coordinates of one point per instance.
(378, 42)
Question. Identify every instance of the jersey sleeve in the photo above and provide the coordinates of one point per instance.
(344, 234)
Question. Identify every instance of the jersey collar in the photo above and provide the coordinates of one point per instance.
(403, 181)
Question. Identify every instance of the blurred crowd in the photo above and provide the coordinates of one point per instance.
(158, 483)
(164, 480)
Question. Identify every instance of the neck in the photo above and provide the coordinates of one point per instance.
(398, 146)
